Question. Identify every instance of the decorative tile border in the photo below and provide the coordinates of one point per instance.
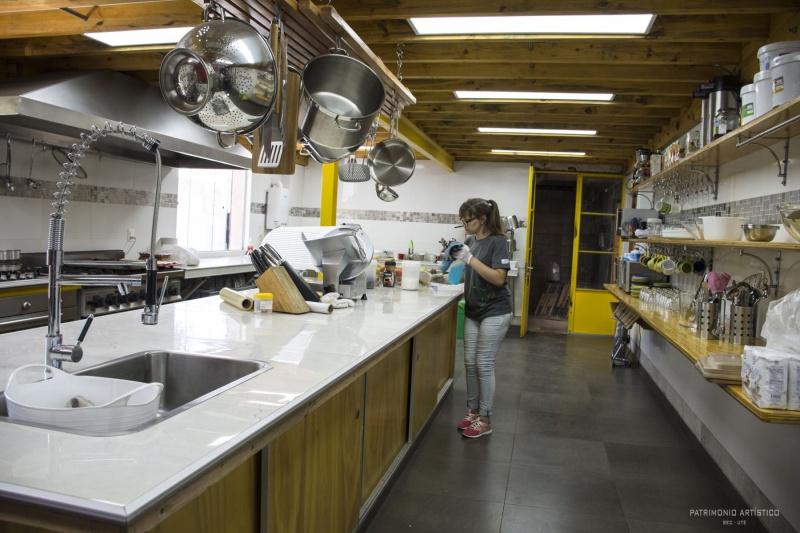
(87, 193)
(376, 214)
(760, 210)
(258, 208)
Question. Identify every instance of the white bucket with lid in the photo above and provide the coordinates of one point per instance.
(770, 51)
(411, 270)
(748, 94)
(785, 79)
(762, 81)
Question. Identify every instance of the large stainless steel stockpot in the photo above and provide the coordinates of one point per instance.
(341, 97)
(222, 76)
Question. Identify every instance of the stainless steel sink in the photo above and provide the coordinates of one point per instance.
(188, 379)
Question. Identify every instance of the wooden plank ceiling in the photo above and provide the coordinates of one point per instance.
(652, 77)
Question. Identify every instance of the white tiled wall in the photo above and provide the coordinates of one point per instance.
(430, 189)
(89, 226)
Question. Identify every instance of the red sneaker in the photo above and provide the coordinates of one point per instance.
(468, 420)
(477, 429)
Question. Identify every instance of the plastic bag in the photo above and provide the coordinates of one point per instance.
(782, 325)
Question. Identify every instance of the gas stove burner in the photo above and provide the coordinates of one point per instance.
(22, 274)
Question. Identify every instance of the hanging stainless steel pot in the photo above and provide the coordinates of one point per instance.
(221, 75)
(341, 97)
(392, 162)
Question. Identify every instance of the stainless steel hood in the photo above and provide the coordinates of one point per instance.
(57, 108)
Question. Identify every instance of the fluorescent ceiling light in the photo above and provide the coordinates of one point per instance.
(532, 95)
(139, 37)
(538, 131)
(545, 24)
(544, 153)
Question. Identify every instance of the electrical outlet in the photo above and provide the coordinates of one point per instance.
(131, 233)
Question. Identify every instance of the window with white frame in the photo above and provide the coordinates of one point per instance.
(213, 209)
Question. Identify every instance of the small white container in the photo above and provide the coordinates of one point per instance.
(410, 281)
(763, 86)
(770, 51)
(722, 228)
(748, 95)
(262, 302)
(785, 79)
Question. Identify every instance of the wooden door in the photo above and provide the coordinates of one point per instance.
(332, 478)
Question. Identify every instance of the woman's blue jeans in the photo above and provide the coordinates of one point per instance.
(481, 342)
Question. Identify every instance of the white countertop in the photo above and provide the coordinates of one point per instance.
(118, 477)
(219, 266)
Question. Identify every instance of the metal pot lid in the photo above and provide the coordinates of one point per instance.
(392, 162)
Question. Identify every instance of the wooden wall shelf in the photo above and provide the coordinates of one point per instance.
(694, 348)
(783, 246)
(724, 149)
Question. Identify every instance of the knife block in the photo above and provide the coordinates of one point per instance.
(285, 296)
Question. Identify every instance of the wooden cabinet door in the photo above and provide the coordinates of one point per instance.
(230, 504)
(286, 473)
(433, 366)
(445, 353)
(333, 462)
(386, 417)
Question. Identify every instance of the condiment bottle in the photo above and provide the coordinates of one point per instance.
(388, 273)
(262, 302)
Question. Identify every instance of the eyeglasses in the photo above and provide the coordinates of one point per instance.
(466, 221)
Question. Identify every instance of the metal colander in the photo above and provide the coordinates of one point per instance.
(222, 76)
(351, 171)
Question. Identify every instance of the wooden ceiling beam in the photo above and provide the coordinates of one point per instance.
(70, 45)
(100, 18)
(14, 6)
(355, 10)
(131, 61)
(674, 28)
(426, 88)
(501, 70)
(636, 101)
(588, 51)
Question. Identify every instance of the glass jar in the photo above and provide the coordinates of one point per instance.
(262, 302)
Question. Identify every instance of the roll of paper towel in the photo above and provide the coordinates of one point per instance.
(411, 275)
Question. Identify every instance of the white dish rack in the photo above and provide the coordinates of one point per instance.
(41, 394)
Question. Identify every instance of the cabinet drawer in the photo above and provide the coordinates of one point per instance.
(32, 303)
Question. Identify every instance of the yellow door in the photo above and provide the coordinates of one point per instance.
(528, 270)
(594, 247)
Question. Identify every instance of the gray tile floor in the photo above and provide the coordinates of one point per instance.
(576, 447)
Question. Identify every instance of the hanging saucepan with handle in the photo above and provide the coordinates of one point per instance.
(221, 75)
(391, 162)
(341, 97)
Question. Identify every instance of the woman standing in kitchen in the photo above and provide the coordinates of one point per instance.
(487, 308)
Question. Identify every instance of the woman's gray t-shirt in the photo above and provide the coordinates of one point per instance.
(482, 299)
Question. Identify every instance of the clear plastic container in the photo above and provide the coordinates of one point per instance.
(655, 227)
(262, 302)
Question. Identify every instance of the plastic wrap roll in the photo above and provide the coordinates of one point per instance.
(319, 307)
(236, 299)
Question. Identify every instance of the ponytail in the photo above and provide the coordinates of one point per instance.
(478, 207)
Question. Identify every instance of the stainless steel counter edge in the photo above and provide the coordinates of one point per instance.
(127, 514)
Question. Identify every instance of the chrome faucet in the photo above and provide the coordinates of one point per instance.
(56, 351)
